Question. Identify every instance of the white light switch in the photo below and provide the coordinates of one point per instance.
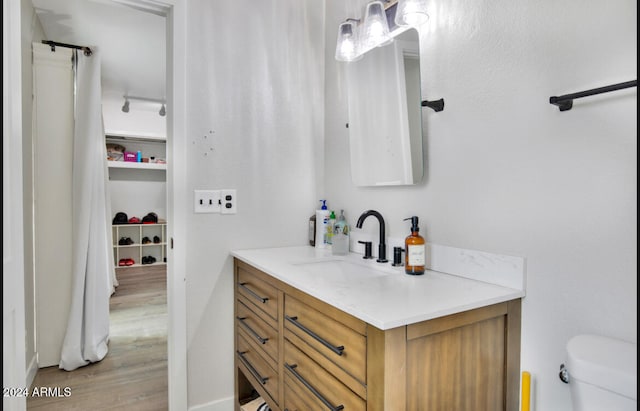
(206, 201)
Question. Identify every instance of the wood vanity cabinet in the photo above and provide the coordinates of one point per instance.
(257, 335)
(301, 354)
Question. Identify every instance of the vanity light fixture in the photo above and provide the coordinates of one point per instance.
(355, 38)
(411, 13)
(375, 28)
(348, 46)
(162, 112)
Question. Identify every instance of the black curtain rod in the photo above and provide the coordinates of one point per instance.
(565, 102)
(53, 44)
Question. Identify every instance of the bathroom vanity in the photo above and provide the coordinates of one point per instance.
(319, 332)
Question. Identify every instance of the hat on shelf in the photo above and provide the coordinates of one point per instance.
(150, 218)
(120, 218)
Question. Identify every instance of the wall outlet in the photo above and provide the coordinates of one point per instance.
(206, 201)
(228, 201)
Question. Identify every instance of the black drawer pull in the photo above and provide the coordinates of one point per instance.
(263, 380)
(251, 330)
(315, 392)
(253, 293)
(294, 320)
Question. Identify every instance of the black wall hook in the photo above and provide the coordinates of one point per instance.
(436, 105)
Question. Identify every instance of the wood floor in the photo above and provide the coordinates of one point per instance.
(133, 375)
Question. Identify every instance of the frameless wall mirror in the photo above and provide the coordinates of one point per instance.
(385, 113)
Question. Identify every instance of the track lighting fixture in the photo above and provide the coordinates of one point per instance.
(162, 102)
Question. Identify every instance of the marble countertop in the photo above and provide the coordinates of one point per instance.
(377, 293)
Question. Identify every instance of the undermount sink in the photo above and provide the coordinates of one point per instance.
(342, 269)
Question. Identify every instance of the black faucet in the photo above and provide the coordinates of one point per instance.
(382, 246)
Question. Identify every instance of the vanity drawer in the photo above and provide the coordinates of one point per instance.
(253, 285)
(340, 347)
(293, 401)
(257, 331)
(308, 386)
(258, 370)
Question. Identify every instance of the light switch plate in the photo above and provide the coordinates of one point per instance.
(206, 201)
(228, 201)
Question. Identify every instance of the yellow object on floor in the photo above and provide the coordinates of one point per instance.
(526, 390)
(255, 405)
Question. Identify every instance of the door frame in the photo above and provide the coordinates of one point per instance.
(13, 298)
(14, 369)
(176, 33)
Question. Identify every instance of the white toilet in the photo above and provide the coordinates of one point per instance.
(602, 373)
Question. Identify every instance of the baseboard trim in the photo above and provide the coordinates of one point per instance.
(225, 404)
(32, 370)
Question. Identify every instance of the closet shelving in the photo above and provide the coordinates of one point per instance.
(137, 250)
(139, 166)
(150, 146)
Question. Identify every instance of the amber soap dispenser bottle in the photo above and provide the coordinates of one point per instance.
(414, 250)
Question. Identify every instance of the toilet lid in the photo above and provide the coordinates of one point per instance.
(605, 362)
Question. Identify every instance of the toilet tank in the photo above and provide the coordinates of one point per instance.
(602, 373)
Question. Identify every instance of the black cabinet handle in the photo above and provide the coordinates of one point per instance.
(253, 293)
(251, 330)
(263, 380)
(315, 392)
(294, 320)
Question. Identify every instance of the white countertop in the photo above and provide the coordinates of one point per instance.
(377, 293)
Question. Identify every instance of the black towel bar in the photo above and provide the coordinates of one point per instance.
(565, 102)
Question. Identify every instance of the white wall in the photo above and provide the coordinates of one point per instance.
(255, 124)
(506, 172)
(138, 198)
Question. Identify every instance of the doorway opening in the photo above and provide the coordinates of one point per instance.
(172, 12)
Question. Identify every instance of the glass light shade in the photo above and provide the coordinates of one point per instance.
(411, 13)
(376, 29)
(347, 46)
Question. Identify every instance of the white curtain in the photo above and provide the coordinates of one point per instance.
(87, 333)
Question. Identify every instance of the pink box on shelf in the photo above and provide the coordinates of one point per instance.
(130, 156)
